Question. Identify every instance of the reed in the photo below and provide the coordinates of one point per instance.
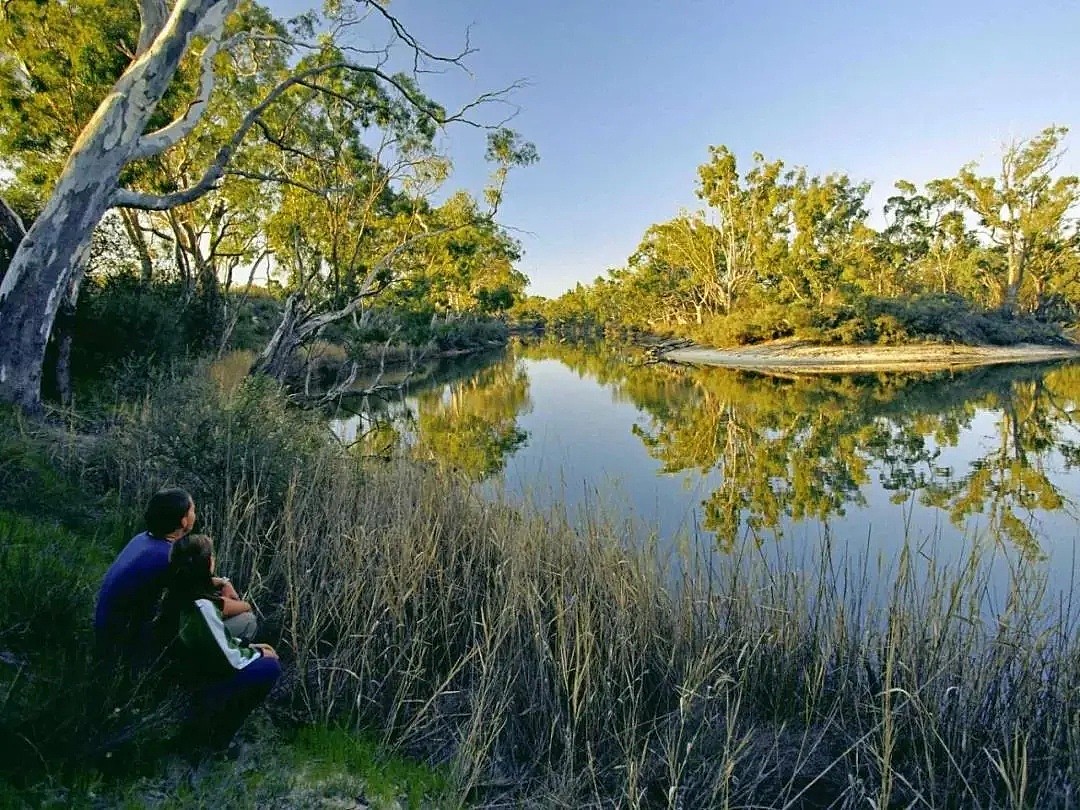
(550, 662)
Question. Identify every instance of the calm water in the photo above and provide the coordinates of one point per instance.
(713, 457)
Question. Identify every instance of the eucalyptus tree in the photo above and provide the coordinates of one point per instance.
(678, 266)
(826, 215)
(56, 62)
(926, 244)
(750, 216)
(339, 211)
(100, 170)
(1023, 214)
(352, 215)
(468, 266)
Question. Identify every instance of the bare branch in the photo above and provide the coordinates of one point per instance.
(285, 181)
(419, 51)
(368, 288)
(153, 202)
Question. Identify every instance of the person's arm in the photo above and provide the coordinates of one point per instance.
(225, 586)
(209, 637)
(233, 607)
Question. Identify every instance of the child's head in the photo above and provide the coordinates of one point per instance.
(191, 562)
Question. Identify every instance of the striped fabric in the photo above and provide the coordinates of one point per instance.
(207, 645)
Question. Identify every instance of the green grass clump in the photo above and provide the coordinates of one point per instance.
(325, 754)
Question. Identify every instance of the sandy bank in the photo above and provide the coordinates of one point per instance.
(806, 358)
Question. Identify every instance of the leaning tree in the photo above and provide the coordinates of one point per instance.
(47, 265)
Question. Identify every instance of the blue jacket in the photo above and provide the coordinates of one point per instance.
(129, 596)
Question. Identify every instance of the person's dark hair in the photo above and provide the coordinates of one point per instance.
(165, 511)
(189, 577)
(189, 573)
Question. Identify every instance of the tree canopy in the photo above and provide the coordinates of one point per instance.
(224, 139)
(776, 250)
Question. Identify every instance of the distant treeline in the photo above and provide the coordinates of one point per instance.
(775, 251)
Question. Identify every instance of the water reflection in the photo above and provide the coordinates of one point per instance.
(461, 413)
(796, 448)
(997, 444)
(471, 424)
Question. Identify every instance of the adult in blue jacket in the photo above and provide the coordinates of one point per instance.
(131, 592)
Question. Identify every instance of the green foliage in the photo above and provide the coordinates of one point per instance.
(464, 334)
(54, 704)
(54, 77)
(259, 312)
(753, 326)
(120, 318)
(323, 752)
(869, 319)
(773, 243)
(195, 429)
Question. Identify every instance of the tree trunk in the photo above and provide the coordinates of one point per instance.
(1015, 278)
(274, 359)
(64, 335)
(55, 248)
(12, 232)
(139, 243)
(37, 280)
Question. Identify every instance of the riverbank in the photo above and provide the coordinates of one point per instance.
(535, 661)
(803, 357)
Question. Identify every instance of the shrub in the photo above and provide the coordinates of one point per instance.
(259, 315)
(120, 317)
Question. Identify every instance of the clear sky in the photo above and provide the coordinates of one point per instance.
(624, 98)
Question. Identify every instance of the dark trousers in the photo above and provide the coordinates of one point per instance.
(219, 708)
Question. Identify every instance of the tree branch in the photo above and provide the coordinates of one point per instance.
(126, 198)
(283, 180)
(12, 229)
(152, 16)
(418, 50)
(367, 288)
(154, 143)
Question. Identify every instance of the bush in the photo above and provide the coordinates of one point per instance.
(949, 319)
(260, 314)
(749, 326)
(120, 317)
(469, 333)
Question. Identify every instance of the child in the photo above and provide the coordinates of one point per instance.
(229, 677)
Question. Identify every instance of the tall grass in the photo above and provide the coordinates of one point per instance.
(555, 664)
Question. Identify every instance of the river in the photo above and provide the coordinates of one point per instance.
(717, 460)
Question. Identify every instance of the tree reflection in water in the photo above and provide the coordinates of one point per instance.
(804, 447)
(791, 448)
(471, 424)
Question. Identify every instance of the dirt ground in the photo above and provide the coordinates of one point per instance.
(806, 358)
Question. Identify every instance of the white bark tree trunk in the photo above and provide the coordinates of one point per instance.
(54, 250)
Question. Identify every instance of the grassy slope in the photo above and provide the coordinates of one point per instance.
(517, 649)
(58, 534)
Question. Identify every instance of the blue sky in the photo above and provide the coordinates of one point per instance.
(624, 99)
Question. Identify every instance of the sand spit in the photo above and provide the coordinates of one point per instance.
(807, 358)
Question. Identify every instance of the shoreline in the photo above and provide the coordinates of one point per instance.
(800, 357)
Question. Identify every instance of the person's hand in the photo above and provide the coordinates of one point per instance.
(226, 587)
(266, 650)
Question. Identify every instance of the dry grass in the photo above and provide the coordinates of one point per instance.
(551, 664)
